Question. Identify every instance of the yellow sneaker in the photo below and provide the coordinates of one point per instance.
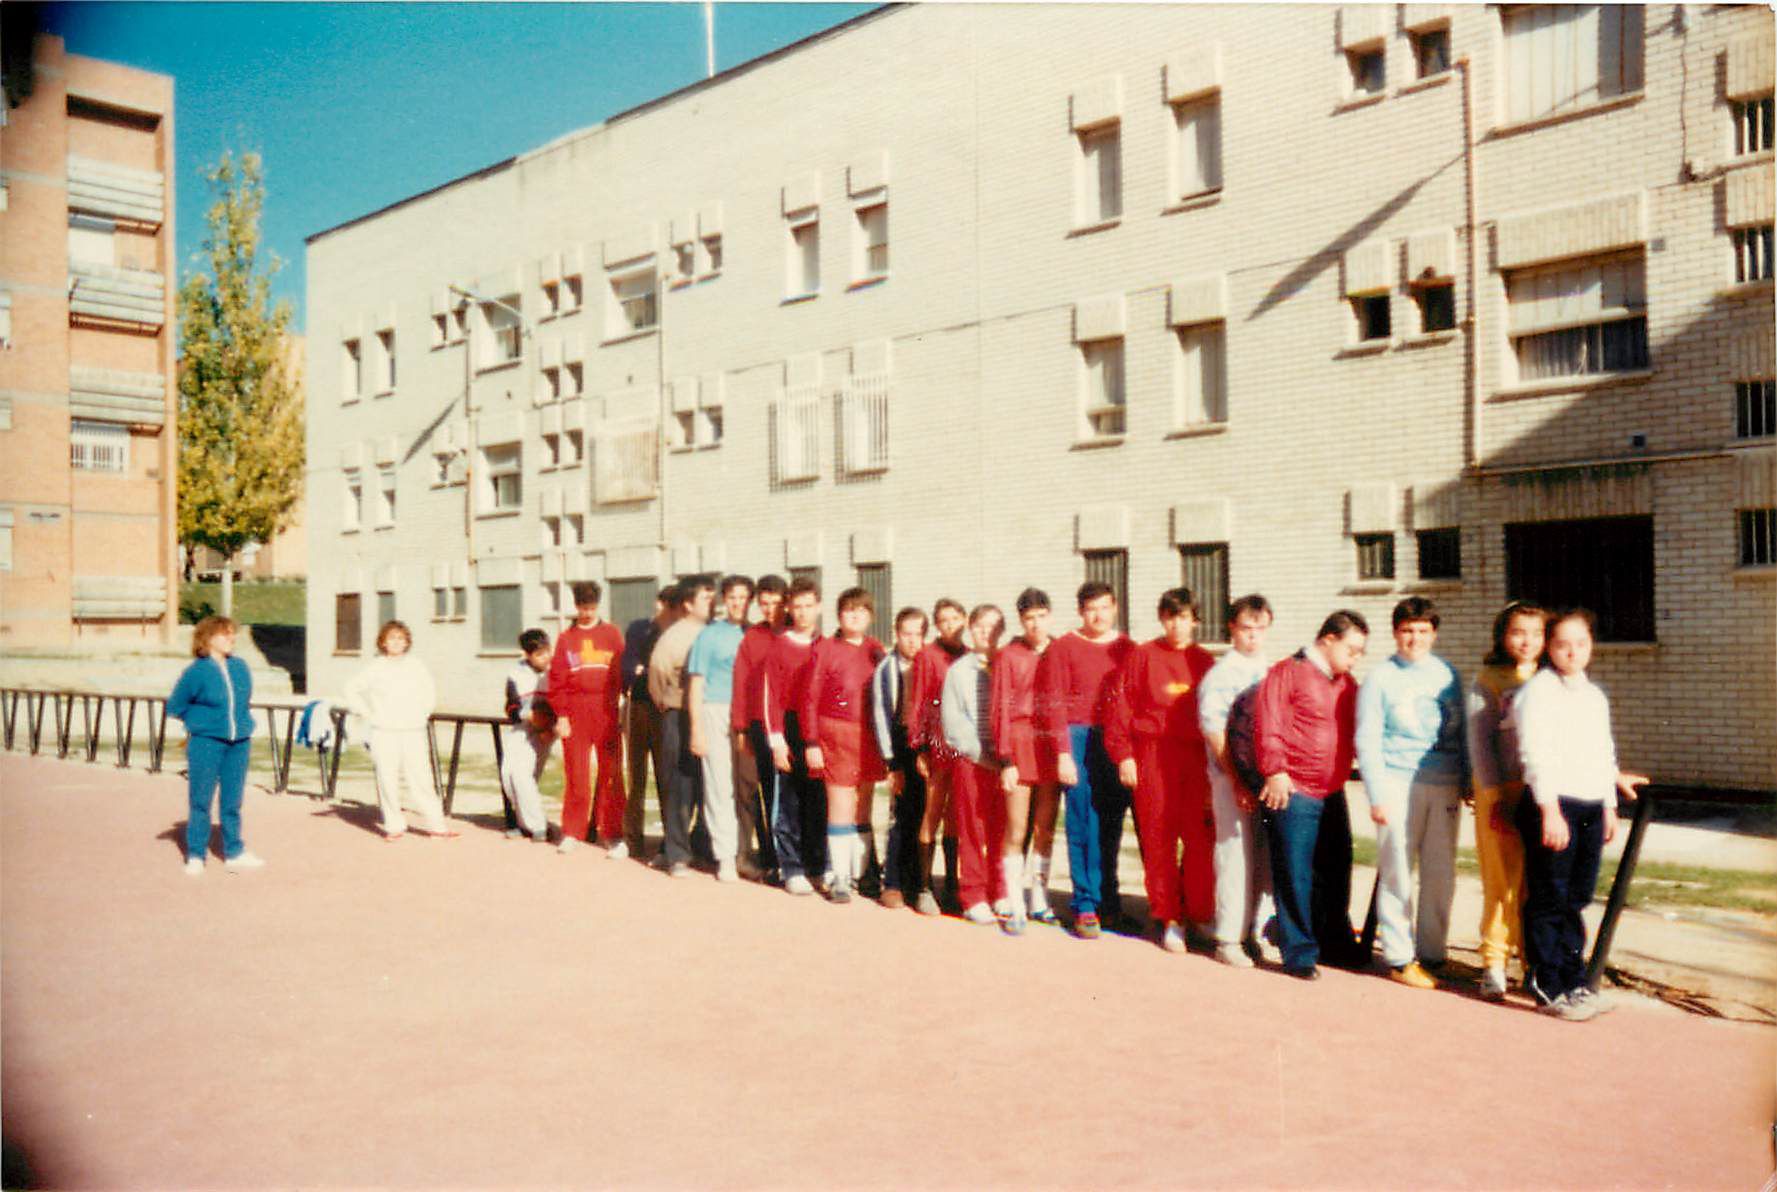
(1413, 975)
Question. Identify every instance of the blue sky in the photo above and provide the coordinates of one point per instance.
(354, 106)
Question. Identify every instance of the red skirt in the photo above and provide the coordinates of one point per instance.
(850, 754)
(1033, 758)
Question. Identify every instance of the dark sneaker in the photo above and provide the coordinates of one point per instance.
(1307, 972)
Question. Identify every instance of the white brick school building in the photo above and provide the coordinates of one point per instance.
(1335, 304)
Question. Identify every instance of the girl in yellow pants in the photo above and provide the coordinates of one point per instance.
(1499, 781)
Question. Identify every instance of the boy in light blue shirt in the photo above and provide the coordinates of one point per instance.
(709, 686)
(1411, 752)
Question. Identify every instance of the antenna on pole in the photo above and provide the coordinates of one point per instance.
(709, 39)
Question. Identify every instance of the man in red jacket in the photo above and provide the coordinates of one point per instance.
(1076, 686)
(1153, 737)
(584, 683)
(1305, 730)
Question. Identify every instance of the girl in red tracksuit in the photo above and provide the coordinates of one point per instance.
(842, 749)
(584, 683)
(1153, 737)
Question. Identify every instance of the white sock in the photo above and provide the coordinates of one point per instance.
(842, 853)
(1010, 866)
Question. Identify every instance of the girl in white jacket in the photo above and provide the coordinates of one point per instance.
(395, 696)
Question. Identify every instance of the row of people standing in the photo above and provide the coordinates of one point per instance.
(765, 735)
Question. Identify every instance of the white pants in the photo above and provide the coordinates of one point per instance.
(718, 782)
(526, 754)
(1420, 835)
(1242, 861)
(402, 756)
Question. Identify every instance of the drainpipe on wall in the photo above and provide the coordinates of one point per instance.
(1471, 230)
(661, 400)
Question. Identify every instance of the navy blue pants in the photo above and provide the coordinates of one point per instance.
(211, 762)
(760, 745)
(1311, 879)
(682, 781)
(1558, 886)
(799, 822)
(900, 870)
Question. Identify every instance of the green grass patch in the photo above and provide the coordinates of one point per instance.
(268, 602)
(1656, 883)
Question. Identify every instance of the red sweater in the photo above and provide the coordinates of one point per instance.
(1306, 726)
(1014, 692)
(746, 699)
(784, 685)
(839, 683)
(584, 680)
(1076, 681)
(1158, 698)
(925, 687)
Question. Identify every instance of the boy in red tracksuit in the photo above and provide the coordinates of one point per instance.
(756, 794)
(584, 684)
(799, 826)
(1028, 779)
(1154, 739)
(842, 749)
(925, 736)
(1076, 683)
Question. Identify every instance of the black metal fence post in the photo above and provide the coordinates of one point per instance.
(1619, 888)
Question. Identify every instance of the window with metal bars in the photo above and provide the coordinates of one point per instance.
(1758, 537)
(1605, 564)
(1375, 556)
(1203, 568)
(99, 447)
(864, 424)
(1752, 254)
(1752, 125)
(630, 600)
(502, 616)
(1755, 409)
(1111, 567)
(1440, 553)
(875, 579)
(795, 436)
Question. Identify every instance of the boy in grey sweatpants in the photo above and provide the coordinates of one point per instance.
(526, 748)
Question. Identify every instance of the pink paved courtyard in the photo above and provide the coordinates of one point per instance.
(483, 1012)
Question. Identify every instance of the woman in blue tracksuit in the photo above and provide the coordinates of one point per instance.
(212, 698)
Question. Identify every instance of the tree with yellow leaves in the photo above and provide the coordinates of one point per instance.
(240, 410)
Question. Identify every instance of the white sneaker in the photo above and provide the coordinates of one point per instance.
(980, 913)
(1002, 908)
(726, 872)
(618, 851)
(1493, 985)
(243, 861)
(799, 885)
(1597, 1002)
(568, 844)
(1172, 939)
(1233, 955)
(194, 867)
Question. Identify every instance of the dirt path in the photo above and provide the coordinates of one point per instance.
(487, 1013)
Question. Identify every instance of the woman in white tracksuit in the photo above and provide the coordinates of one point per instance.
(395, 695)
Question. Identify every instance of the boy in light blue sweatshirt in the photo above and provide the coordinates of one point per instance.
(1411, 752)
